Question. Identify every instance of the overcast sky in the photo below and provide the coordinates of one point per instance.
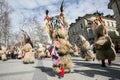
(72, 9)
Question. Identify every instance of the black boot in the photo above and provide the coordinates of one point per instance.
(94, 59)
(103, 63)
(109, 62)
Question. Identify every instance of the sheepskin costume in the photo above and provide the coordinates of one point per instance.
(19, 51)
(57, 29)
(29, 57)
(86, 52)
(104, 46)
(63, 50)
(3, 52)
(27, 47)
(41, 51)
(3, 56)
(8, 53)
(28, 54)
(76, 50)
(47, 53)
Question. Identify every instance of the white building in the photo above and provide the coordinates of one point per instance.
(115, 5)
(83, 26)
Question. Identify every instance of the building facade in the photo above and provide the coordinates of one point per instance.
(83, 26)
(115, 5)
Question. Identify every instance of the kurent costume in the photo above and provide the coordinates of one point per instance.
(41, 51)
(104, 46)
(27, 49)
(19, 53)
(84, 45)
(29, 57)
(76, 50)
(3, 49)
(57, 29)
(28, 54)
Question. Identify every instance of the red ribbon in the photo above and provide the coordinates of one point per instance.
(48, 18)
(61, 14)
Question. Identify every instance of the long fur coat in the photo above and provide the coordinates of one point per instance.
(105, 48)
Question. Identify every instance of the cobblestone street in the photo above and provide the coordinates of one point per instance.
(42, 70)
(59, 39)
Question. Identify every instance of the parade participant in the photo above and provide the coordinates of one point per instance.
(104, 46)
(14, 54)
(27, 49)
(27, 53)
(57, 29)
(19, 51)
(76, 50)
(29, 57)
(86, 52)
(41, 51)
(3, 52)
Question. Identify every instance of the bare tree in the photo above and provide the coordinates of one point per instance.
(35, 30)
(39, 32)
(4, 22)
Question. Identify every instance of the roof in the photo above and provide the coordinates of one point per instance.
(72, 24)
(110, 4)
(96, 14)
(111, 17)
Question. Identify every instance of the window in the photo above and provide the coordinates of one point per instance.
(89, 23)
(112, 24)
(108, 23)
(90, 33)
(81, 26)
